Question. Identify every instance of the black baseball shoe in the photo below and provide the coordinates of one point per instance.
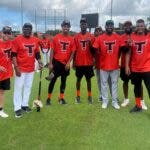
(18, 113)
(62, 101)
(77, 100)
(136, 109)
(48, 102)
(26, 109)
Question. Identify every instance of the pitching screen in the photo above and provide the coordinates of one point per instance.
(92, 19)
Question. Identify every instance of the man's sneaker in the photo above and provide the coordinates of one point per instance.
(3, 114)
(125, 103)
(104, 105)
(115, 105)
(48, 102)
(26, 109)
(136, 109)
(62, 101)
(90, 100)
(18, 113)
(144, 107)
(77, 100)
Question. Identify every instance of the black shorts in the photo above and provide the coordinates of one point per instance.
(137, 77)
(123, 75)
(59, 69)
(86, 71)
(5, 84)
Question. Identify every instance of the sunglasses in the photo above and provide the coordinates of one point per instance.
(7, 32)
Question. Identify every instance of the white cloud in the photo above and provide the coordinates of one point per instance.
(122, 10)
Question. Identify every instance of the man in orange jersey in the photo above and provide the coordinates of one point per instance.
(26, 49)
(62, 52)
(83, 60)
(45, 47)
(125, 78)
(138, 62)
(5, 66)
(124, 48)
(98, 31)
(109, 45)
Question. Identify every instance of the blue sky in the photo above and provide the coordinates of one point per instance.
(10, 12)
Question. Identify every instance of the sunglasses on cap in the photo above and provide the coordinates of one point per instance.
(7, 32)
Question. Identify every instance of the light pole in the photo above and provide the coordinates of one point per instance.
(111, 9)
(21, 7)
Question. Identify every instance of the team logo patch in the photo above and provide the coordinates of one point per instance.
(109, 46)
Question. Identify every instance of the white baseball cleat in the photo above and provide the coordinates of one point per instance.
(125, 103)
(3, 114)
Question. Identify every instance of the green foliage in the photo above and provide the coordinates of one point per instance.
(75, 127)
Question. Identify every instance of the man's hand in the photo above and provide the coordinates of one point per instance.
(67, 67)
(3, 69)
(17, 71)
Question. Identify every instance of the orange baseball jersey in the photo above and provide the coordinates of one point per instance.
(109, 51)
(63, 46)
(140, 55)
(83, 56)
(5, 59)
(45, 45)
(26, 48)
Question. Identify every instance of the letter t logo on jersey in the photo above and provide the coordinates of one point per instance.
(109, 46)
(139, 46)
(29, 49)
(64, 46)
(83, 44)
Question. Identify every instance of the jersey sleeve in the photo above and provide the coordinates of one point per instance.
(73, 47)
(96, 43)
(37, 46)
(15, 46)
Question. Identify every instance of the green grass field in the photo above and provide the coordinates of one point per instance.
(75, 127)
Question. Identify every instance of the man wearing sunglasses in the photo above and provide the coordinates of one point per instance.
(5, 66)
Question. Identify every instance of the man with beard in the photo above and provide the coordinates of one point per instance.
(25, 50)
(61, 55)
(83, 60)
(125, 78)
(109, 44)
(138, 62)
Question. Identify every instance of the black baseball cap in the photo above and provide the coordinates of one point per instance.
(27, 25)
(65, 22)
(7, 30)
(109, 22)
(83, 20)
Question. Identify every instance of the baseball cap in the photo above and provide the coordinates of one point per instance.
(66, 22)
(7, 30)
(27, 25)
(83, 20)
(109, 22)
(128, 23)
